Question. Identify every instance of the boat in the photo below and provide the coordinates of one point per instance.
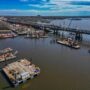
(70, 43)
(6, 50)
(20, 71)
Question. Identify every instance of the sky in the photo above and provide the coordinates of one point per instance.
(45, 7)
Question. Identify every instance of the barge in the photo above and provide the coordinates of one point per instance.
(43, 36)
(36, 36)
(32, 36)
(69, 42)
(7, 56)
(20, 71)
(6, 50)
(4, 36)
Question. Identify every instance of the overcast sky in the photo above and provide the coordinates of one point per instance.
(45, 7)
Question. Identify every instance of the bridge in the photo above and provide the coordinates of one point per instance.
(56, 29)
(53, 27)
(59, 28)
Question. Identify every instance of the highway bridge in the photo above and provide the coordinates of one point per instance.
(53, 27)
(59, 28)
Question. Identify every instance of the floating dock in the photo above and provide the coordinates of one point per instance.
(20, 71)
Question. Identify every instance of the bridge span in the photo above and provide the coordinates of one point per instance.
(59, 28)
(53, 27)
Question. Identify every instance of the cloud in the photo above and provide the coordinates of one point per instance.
(42, 5)
(50, 7)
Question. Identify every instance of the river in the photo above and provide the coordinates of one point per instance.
(62, 68)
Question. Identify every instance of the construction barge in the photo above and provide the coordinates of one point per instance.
(69, 42)
(36, 35)
(6, 50)
(7, 54)
(20, 71)
(10, 35)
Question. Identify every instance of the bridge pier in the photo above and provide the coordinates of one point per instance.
(78, 36)
(55, 32)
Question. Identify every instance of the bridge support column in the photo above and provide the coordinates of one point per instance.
(78, 36)
(55, 32)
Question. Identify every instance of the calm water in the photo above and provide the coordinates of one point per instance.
(83, 24)
(62, 68)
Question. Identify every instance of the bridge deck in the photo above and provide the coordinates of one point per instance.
(53, 27)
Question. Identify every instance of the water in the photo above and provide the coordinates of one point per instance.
(83, 24)
(62, 68)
